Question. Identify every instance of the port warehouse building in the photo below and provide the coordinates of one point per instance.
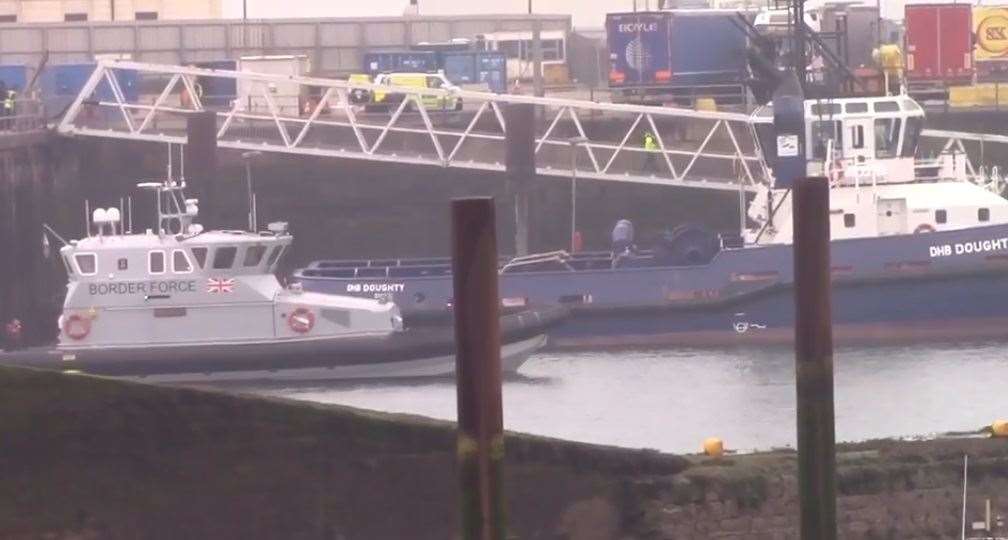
(334, 45)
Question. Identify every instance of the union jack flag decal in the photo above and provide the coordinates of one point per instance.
(220, 285)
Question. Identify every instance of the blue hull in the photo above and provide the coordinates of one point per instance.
(941, 285)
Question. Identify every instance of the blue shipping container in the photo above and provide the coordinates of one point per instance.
(707, 48)
(14, 77)
(679, 48)
(460, 67)
(639, 50)
(218, 92)
(60, 84)
(418, 61)
(491, 68)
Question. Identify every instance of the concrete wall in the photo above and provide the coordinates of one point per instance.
(86, 458)
(30, 287)
(335, 45)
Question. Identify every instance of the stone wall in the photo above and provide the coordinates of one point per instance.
(890, 490)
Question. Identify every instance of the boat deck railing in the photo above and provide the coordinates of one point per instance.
(556, 261)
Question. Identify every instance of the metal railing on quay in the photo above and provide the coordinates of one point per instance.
(27, 115)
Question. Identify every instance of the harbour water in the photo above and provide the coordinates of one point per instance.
(671, 400)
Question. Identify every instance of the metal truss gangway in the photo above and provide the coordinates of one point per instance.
(458, 127)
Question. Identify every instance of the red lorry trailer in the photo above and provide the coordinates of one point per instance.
(939, 47)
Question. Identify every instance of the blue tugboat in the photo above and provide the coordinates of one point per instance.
(917, 252)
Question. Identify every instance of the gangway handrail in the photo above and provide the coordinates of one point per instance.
(327, 123)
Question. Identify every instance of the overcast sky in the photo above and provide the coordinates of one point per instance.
(587, 13)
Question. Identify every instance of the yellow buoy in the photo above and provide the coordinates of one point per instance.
(999, 428)
(713, 446)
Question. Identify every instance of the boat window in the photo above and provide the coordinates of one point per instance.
(887, 132)
(983, 214)
(824, 131)
(156, 262)
(886, 106)
(849, 220)
(857, 107)
(180, 262)
(199, 253)
(857, 136)
(913, 129)
(274, 256)
(910, 105)
(941, 216)
(87, 263)
(825, 109)
(254, 255)
(224, 257)
(122, 264)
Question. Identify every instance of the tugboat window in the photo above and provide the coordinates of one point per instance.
(857, 137)
(254, 255)
(983, 214)
(849, 220)
(886, 106)
(914, 124)
(87, 263)
(224, 257)
(274, 255)
(941, 216)
(123, 263)
(887, 131)
(822, 132)
(156, 262)
(180, 262)
(857, 107)
(199, 253)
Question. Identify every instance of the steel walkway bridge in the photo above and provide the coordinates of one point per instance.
(318, 117)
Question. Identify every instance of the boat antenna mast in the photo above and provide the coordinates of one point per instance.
(799, 61)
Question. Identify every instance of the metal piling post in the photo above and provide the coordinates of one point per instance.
(478, 368)
(814, 360)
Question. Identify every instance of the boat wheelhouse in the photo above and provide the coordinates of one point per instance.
(868, 149)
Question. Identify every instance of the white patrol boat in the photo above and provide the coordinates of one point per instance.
(177, 303)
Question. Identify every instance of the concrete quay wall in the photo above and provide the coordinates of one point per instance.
(88, 458)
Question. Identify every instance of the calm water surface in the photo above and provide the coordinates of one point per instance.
(672, 399)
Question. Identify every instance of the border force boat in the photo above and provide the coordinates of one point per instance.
(918, 252)
(177, 303)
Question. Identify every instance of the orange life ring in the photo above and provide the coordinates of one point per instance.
(301, 320)
(924, 228)
(77, 327)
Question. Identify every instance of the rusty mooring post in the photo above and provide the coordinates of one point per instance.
(478, 368)
(814, 360)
